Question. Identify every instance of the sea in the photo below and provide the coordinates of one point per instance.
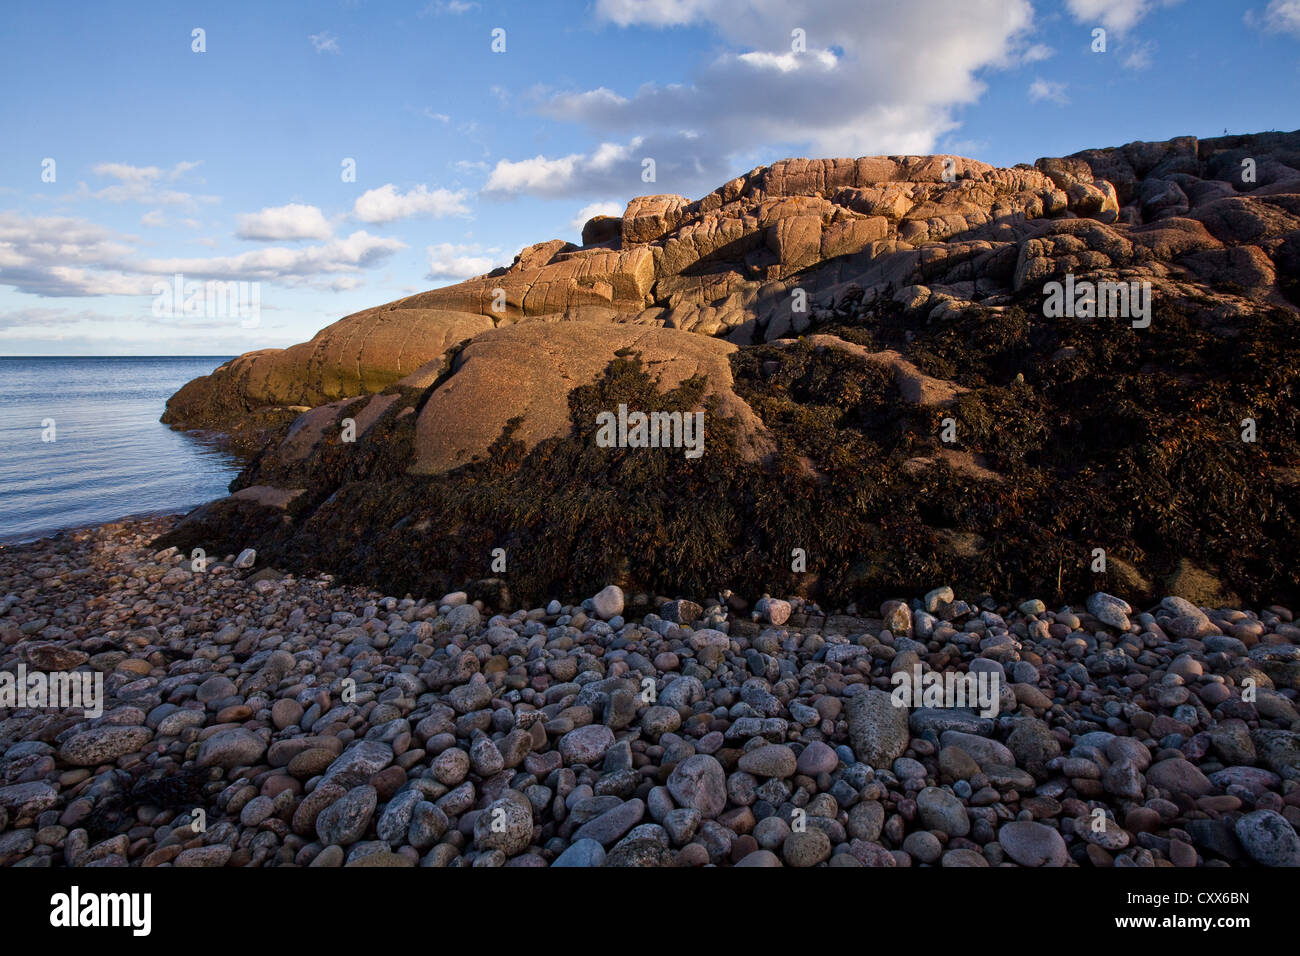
(81, 444)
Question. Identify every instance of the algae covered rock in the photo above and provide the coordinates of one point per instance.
(885, 397)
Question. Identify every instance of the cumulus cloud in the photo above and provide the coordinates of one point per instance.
(62, 256)
(1118, 15)
(293, 221)
(386, 204)
(453, 262)
(1048, 90)
(1280, 16)
(609, 162)
(595, 209)
(853, 91)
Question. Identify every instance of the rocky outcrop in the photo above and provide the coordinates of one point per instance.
(868, 341)
(768, 253)
(365, 352)
(533, 364)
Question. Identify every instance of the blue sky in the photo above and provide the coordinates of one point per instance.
(227, 163)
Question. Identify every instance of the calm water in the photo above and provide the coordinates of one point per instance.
(111, 457)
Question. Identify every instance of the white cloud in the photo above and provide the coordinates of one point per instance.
(1037, 53)
(154, 219)
(386, 204)
(610, 163)
(137, 175)
(789, 62)
(853, 92)
(456, 262)
(1049, 90)
(558, 177)
(350, 254)
(448, 6)
(56, 280)
(130, 175)
(64, 256)
(655, 13)
(294, 221)
(60, 256)
(1280, 16)
(1118, 15)
(539, 174)
(142, 184)
(595, 209)
(323, 42)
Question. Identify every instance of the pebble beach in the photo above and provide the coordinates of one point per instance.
(254, 718)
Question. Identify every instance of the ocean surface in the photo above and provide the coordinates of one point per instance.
(110, 456)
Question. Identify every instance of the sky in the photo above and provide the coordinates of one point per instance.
(337, 155)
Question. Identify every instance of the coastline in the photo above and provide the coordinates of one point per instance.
(317, 723)
(34, 537)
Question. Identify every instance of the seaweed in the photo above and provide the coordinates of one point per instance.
(182, 790)
(1100, 435)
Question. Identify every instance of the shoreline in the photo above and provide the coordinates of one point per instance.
(168, 518)
(326, 724)
(20, 538)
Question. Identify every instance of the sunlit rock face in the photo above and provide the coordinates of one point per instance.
(909, 363)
